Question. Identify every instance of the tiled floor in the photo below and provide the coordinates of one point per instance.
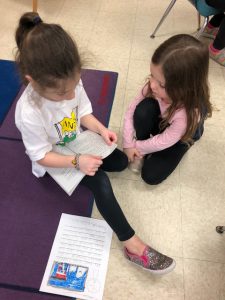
(179, 216)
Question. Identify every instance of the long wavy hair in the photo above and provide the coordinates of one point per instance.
(185, 62)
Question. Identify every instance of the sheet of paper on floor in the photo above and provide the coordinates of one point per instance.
(78, 260)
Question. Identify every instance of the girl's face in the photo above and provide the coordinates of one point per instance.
(157, 83)
(64, 91)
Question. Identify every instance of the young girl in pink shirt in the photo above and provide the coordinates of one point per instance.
(168, 114)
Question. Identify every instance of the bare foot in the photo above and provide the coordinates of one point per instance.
(135, 245)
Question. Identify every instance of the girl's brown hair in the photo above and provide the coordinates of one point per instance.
(185, 62)
(46, 52)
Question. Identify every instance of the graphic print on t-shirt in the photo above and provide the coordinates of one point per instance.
(67, 128)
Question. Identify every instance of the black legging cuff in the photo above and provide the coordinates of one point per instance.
(127, 236)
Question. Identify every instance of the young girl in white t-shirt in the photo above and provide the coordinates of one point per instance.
(49, 61)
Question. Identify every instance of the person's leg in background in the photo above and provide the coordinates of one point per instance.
(218, 4)
(212, 27)
(216, 28)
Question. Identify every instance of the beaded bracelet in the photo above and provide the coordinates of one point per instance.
(78, 161)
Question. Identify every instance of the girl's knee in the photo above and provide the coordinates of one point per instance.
(123, 162)
(146, 107)
(119, 163)
(97, 182)
(115, 162)
(152, 179)
(101, 178)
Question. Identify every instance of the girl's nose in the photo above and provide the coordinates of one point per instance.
(153, 84)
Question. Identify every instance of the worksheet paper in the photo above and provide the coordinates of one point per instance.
(78, 260)
(88, 142)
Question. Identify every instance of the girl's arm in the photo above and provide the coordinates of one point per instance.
(88, 164)
(170, 136)
(91, 123)
(56, 160)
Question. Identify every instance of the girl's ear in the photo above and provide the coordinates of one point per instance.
(29, 78)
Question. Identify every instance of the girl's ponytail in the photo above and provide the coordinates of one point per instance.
(46, 52)
(26, 23)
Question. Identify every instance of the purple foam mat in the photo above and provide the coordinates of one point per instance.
(9, 294)
(30, 210)
(100, 87)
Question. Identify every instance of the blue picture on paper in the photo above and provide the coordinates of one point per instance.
(68, 276)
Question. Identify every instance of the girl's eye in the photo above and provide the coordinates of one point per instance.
(159, 83)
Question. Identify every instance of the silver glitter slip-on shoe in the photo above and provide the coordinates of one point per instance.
(152, 261)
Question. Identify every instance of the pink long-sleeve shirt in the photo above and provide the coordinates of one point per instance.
(170, 136)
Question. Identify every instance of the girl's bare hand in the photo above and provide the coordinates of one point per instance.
(89, 164)
(109, 136)
(132, 153)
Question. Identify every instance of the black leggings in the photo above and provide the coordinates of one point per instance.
(218, 21)
(159, 165)
(105, 199)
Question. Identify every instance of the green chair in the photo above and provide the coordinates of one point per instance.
(203, 10)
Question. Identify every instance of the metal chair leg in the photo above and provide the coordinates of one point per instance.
(163, 17)
(200, 31)
(199, 20)
(220, 229)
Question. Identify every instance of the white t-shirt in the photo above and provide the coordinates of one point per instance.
(43, 122)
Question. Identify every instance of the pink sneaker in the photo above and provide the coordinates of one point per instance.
(152, 261)
(210, 31)
(217, 55)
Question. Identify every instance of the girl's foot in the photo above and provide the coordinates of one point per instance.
(210, 31)
(136, 251)
(152, 261)
(136, 165)
(135, 245)
(217, 55)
